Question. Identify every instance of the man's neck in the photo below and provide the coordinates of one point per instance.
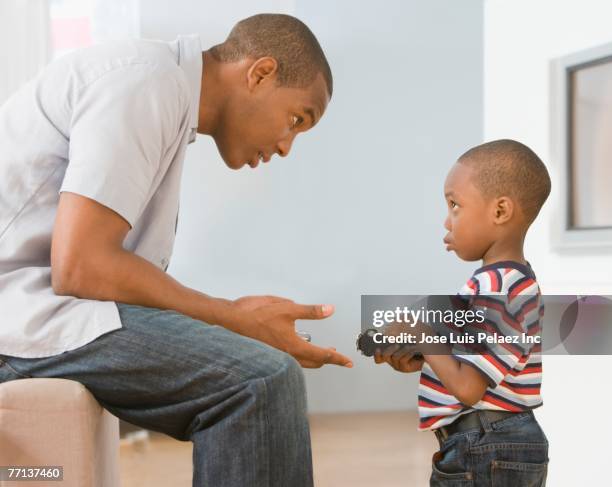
(210, 97)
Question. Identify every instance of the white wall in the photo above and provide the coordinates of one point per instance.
(357, 207)
(165, 19)
(24, 42)
(521, 37)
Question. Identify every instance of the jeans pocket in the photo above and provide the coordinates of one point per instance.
(444, 479)
(512, 474)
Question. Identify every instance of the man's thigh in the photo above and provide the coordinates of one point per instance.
(161, 367)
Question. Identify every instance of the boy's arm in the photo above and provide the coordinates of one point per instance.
(461, 379)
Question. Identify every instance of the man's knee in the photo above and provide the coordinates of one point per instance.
(291, 372)
(284, 377)
(270, 385)
(282, 366)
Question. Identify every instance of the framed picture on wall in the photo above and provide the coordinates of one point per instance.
(582, 147)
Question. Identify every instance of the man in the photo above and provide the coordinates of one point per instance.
(90, 164)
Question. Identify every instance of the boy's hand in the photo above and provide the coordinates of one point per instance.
(402, 359)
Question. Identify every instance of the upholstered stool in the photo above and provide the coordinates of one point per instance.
(58, 422)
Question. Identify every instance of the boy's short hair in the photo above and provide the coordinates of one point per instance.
(506, 167)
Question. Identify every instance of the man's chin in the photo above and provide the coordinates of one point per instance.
(234, 163)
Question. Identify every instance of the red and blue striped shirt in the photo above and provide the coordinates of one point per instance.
(514, 372)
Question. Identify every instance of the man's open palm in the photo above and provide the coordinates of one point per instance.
(272, 321)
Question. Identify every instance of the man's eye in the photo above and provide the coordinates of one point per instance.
(452, 204)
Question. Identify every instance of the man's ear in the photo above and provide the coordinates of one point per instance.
(263, 69)
(503, 210)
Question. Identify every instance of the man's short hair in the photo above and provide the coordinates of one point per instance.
(288, 40)
(508, 168)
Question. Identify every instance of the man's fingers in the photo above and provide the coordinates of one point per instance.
(277, 299)
(309, 364)
(310, 311)
(311, 353)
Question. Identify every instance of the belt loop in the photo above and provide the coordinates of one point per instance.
(441, 434)
(484, 421)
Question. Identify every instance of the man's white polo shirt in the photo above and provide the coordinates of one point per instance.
(111, 123)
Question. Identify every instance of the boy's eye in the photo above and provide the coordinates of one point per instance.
(296, 121)
(452, 204)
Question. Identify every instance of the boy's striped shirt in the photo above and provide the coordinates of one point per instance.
(514, 372)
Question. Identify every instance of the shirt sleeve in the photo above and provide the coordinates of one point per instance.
(122, 124)
(503, 324)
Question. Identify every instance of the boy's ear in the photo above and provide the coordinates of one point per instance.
(503, 210)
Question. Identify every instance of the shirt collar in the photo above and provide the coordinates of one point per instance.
(190, 59)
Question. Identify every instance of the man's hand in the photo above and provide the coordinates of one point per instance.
(271, 319)
(88, 261)
(402, 359)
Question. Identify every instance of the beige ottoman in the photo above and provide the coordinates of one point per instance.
(58, 422)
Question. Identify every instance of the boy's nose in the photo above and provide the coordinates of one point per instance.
(447, 224)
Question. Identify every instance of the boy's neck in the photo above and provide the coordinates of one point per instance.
(503, 251)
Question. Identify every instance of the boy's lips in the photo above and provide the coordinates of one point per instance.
(448, 243)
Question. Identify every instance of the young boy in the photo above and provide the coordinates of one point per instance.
(480, 405)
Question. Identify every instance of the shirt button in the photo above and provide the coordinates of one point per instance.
(164, 262)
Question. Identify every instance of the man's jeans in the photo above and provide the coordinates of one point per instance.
(241, 402)
(510, 452)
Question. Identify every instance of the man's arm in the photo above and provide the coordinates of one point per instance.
(88, 261)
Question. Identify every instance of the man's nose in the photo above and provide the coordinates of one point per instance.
(284, 146)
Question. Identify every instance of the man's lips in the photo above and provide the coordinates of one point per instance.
(254, 162)
(259, 157)
(448, 243)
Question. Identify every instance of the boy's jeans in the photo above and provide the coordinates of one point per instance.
(241, 402)
(510, 452)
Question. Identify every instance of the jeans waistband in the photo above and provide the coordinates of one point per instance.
(475, 420)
